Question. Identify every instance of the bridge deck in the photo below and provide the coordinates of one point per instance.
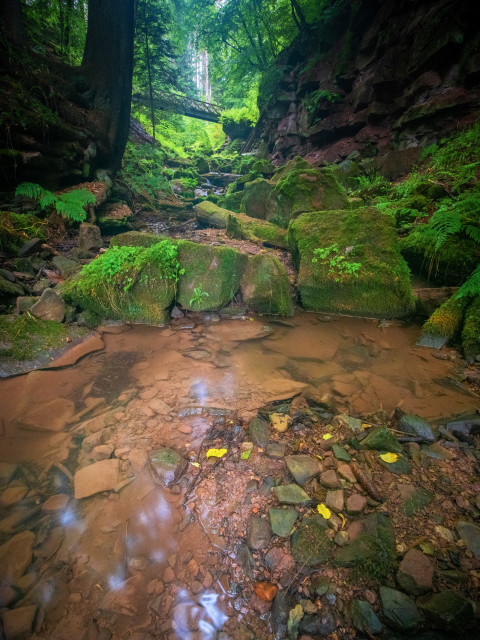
(176, 103)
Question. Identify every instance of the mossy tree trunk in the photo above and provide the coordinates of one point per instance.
(108, 66)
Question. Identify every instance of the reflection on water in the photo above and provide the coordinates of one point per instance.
(142, 560)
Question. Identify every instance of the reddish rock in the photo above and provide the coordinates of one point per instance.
(356, 503)
(279, 561)
(259, 605)
(415, 574)
(265, 591)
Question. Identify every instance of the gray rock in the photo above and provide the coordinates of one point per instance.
(465, 428)
(415, 574)
(7, 275)
(470, 534)
(30, 247)
(401, 466)
(167, 466)
(364, 618)
(356, 503)
(303, 468)
(89, 237)
(381, 439)
(447, 609)
(259, 533)
(279, 614)
(320, 624)
(259, 432)
(282, 521)
(25, 303)
(66, 266)
(354, 424)
(18, 623)
(40, 286)
(431, 341)
(177, 313)
(290, 494)
(416, 429)
(49, 307)
(245, 560)
(335, 500)
(275, 451)
(399, 609)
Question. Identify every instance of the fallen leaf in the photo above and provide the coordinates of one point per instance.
(246, 454)
(343, 520)
(327, 436)
(319, 457)
(280, 421)
(324, 511)
(366, 426)
(216, 453)
(389, 457)
(195, 464)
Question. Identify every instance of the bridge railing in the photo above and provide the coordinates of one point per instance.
(181, 104)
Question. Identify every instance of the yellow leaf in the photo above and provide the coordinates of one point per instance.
(327, 436)
(366, 426)
(280, 421)
(195, 464)
(324, 511)
(343, 520)
(216, 453)
(319, 457)
(389, 457)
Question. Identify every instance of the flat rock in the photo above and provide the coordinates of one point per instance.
(399, 609)
(447, 609)
(16, 555)
(415, 428)
(364, 618)
(329, 479)
(321, 624)
(282, 521)
(259, 533)
(290, 494)
(18, 623)
(415, 573)
(381, 439)
(58, 502)
(279, 560)
(160, 407)
(340, 453)
(470, 534)
(310, 544)
(167, 466)
(34, 245)
(102, 452)
(259, 432)
(346, 472)
(47, 416)
(303, 468)
(335, 500)
(7, 469)
(95, 478)
(49, 307)
(12, 495)
(356, 504)
(124, 600)
(281, 388)
(275, 451)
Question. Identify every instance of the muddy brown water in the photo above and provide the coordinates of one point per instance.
(143, 560)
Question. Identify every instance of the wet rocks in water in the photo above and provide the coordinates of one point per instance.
(18, 623)
(290, 494)
(381, 439)
(363, 618)
(95, 478)
(310, 544)
(447, 609)
(399, 609)
(415, 574)
(303, 468)
(265, 591)
(279, 561)
(282, 521)
(16, 555)
(320, 624)
(259, 432)
(415, 428)
(259, 533)
(167, 466)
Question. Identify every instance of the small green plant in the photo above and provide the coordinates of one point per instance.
(198, 295)
(313, 100)
(70, 205)
(338, 266)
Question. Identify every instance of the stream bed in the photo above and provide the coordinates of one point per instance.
(140, 558)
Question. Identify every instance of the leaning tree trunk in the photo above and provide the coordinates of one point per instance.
(108, 66)
(12, 19)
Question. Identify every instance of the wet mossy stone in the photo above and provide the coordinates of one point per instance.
(265, 286)
(167, 466)
(415, 428)
(444, 324)
(255, 197)
(259, 432)
(66, 266)
(290, 494)
(232, 201)
(136, 239)
(420, 498)
(202, 165)
(399, 609)
(217, 270)
(383, 286)
(282, 521)
(10, 289)
(471, 330)
(363, 618)
(381, 439)
(373, 552)
(447, 609)
(401, 466)
(263, 166)
(310, 544)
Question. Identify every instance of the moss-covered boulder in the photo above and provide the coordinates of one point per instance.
(300, 190)
(233, 201)
(265, 286)
(379, 286)
(444, 324)
(135, 239)
(114, 215)
(134, 284)
(471, 330)
(255, 198)
(212, 276)
(240, 225)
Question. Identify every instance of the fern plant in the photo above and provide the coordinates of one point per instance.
(70, 205)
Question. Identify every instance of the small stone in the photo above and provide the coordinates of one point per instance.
(266, 590)
(447, 609)
(341, 538)
(138, 563)
(279, 561)
(97, 477)
(310, 543)
(415, 428)
(49, 307)
(415, 573)
(18, 623)
(340, 453)
(356, 503)
(335, 500)
(259, 533)
(58, 502)
(16, 555)
(303, 468)
(399, 609)
(12, 495)
(102, 452)
(381, 439)
(290, 494)
(445, 533)
(168, 575)
(282, 521)
(329, 479)
(167, 466)
(470, 534)
(89, 237)
(275, 451)
(259, 432)
(346, 472)
(364, 618)
(354, 424)
(260, 606)
(321, 624)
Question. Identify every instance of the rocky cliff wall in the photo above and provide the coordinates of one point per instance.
(381, 77)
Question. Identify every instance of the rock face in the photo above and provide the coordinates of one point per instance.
(367, 81)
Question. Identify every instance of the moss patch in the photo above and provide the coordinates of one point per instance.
(265, 286)
(310, 544)
(382, 287)
(471, 330)
(24, 337)
(17, 228)
(444, 324)
(217, 271)
(135, 239)
(255, 198)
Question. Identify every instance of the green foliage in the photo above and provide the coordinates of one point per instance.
(15, 228)
(314, 100)
(248, 108)
(338, 266)
(198, 295)
(370, 186)
(70, 205)
(24, 337)
(141, 171)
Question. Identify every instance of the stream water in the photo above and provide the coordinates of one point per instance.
(149, 561)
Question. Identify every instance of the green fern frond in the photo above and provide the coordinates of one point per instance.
(470, 287)
(444, 223)
(473, 232)
(30, 190)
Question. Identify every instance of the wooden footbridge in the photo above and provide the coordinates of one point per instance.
(176, 103)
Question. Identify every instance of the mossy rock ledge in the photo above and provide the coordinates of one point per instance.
(265, 286)
(363, 236)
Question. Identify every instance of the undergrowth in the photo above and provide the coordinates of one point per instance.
(70, 205)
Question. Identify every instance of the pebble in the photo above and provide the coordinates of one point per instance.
(335, 500)
(168, 575)
(329, 479)
(356, 504)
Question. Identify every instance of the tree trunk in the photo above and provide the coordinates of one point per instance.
(12, 18)
(108, 66)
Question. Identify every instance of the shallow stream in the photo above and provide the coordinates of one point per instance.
(147, 561)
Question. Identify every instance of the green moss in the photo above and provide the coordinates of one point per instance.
(218, 270)
(446, 321)
(135, 239)
(263, 166)
(232, 201)
(24, 337)
(10, 289)
(265, 286)
(255, 198)
(310, 544)
(471, 329)
(382, 287)
(17, 228)
(419, 499)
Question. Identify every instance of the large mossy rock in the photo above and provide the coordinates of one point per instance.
(471, 330)
(265, 286)
(135, 239)
(212, 276)
(363, 236)
(256, 194)
(444, 324)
